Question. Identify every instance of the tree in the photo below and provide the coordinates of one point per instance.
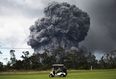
(18, 65)
(108, 61)
(8, 66)
(102, 63)
(91, 60)
(25, 55)
(13, 58)
(73, 60)
(113, 58)
(59, 54)
(35, 62)
(26, 61)
(45, 60)
(1, 66)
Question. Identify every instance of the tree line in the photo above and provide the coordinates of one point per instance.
(72, 59)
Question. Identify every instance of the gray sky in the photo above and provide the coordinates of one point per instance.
(103, 25)
(16, 16)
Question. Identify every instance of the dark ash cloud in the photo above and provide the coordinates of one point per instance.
(64, 25)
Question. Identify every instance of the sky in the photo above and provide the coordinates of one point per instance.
(16, 16)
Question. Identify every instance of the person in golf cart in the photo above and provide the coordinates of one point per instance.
(58, 70)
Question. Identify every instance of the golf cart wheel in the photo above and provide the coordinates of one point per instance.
(62, 75)
(51, 75)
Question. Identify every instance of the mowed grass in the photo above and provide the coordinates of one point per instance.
(73, 74)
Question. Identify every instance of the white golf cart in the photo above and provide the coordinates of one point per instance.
(58, 70)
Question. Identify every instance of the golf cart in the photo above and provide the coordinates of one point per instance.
(58, 70)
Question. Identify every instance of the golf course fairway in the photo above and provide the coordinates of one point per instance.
(72, 74)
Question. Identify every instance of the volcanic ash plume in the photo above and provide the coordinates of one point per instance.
(64, 25)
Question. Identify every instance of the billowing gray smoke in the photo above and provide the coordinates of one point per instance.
(64, 25)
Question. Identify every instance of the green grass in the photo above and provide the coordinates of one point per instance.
(74, 74)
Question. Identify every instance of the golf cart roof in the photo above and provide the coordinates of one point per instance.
(58, 65)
